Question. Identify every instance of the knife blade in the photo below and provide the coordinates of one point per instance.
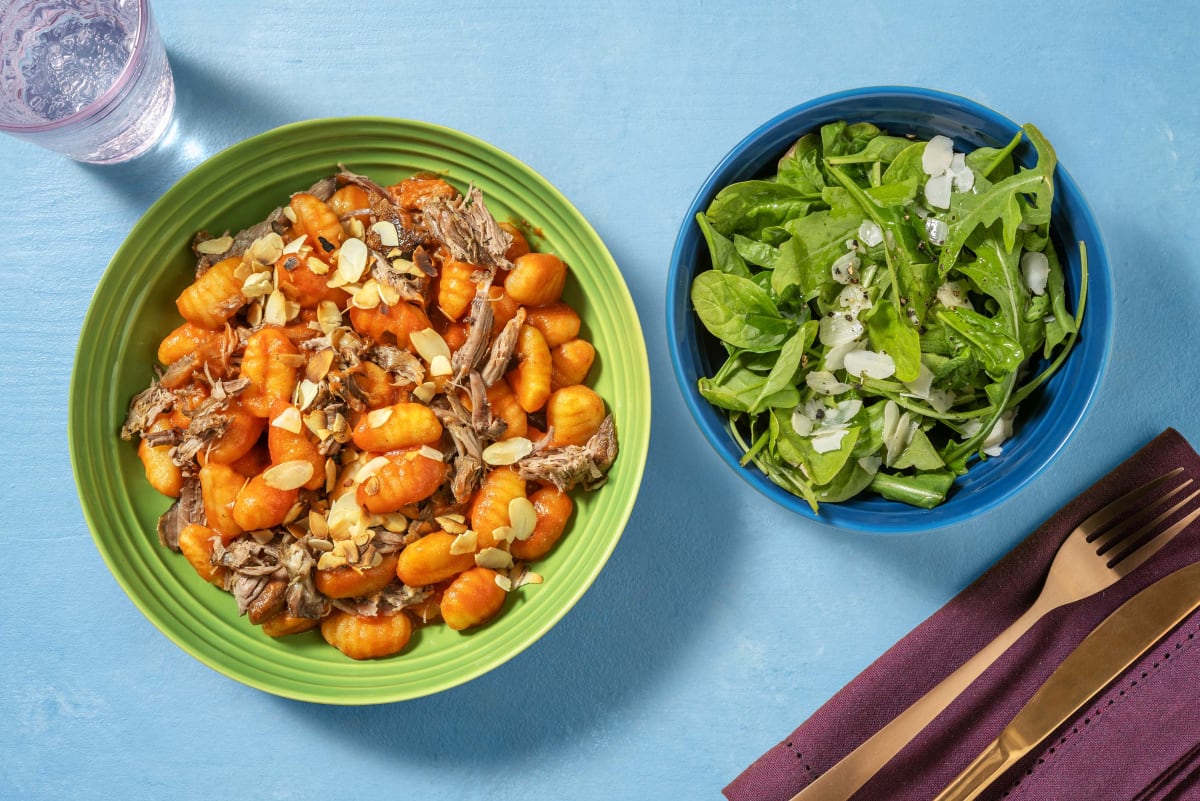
(1115, 644)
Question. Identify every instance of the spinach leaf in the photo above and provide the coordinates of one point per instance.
(749, 206)
(895, 336)
(721, 250)
(738, 311)
(782, 375)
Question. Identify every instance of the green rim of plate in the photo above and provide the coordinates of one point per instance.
(133, 308)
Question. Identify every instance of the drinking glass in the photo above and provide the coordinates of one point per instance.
(86, 78)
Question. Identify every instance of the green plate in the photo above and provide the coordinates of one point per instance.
(133, 308)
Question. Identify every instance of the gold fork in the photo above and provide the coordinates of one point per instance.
(1095, 555)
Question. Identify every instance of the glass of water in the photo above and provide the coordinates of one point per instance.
(86, 78)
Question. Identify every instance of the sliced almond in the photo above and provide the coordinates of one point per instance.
(316, 266)
(494, 558)
(465, 543)
(276, 311)
(430, 452)
(504, 582)
(429, 344)
(258, 285)
(318, 366)
(452, 524)
(507, 451)
(389, 237)
(440, 366)
(425, 392)
(370, 468)
(329, 316)
(266, 249)
(388, 294)
(295, 245)
(324, 546)
(317, 526)
(331, 561)
(289, 420)
(522, 517)
(377, 417)
(367, 296)
(352, 260)
(356, 228)
(215, 247)
(288, 475)
(306, 392)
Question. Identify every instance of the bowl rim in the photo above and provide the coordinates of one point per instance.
(634, 450)
(679, 320)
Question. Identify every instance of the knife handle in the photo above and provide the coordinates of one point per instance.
(978, 776)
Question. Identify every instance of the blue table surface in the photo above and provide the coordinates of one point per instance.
(721, 621)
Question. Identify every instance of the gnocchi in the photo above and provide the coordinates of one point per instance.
(362, 400)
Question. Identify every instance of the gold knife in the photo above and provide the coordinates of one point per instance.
(1114, 645)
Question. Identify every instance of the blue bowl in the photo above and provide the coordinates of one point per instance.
(1046, 420)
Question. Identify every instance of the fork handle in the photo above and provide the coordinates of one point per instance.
(845, 778)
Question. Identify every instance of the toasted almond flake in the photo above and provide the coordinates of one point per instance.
(504, 533)
(296, 245)
(254, 313)
(361, 538)
(306, 393)
(522, 517)
(452, 524)
(329, 316)
(339, 429)
(324, 546)
(393, 522)
(317, 526)
(371, 486)
(316, 266)
(262, 536)
(331, 471)
(405, 267)
(528, 577)
(389, 237)
(275, 312)
(288, 475)
(494, 558)
(377, 417)
(266, 249)
(291, 309)
(430, 452)
(352, 259)
(294, 513)
(440, 366)
(290, 213)
(507, 451)
(356, 228)
(504, 582)
(425, 392)
(367, 296)
(429, 344)
(370, 468)
(215, 247)
(388, 294)
(345, 517)
(466, 542)
(257, 285)
(331, 561)
(318, 366)
(289, 420)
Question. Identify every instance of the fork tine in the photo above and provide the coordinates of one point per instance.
(1125, 562)
(1135, 521)
(1120, 507)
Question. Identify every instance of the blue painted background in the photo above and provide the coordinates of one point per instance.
(721, 622)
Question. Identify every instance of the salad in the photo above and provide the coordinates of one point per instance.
(886, 305)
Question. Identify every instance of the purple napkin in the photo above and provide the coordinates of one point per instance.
(1137, 741)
